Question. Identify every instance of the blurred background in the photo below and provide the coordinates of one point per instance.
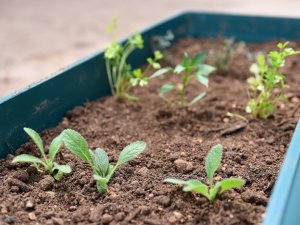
(38, 38)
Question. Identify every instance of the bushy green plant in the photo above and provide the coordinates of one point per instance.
(191, 67)
(47, 161)
(98, 159)
(268, 83)
(212, 163)
(121, 76)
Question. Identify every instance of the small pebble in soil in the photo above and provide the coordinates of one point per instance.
(254, 198)
(57, 221)
(183, 166)
(31, 216)
(163, 200)
(106, 219)
(21, 175)
(96, 214)
(20, 184)
(175, 217)
(142, 171)
(30, 205)
(120, 216)
(47, 183)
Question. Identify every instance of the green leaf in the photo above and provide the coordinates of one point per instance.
(101, 183)
(59, 175)
(131, 151)
(166, 88)
(213, 192)
(197, 98)
(186, 60)
(197, 187)
(161, 72)
(175, 181)
(76, 144)
(205, 70)
(179, 69)
(213, 161)
(202, 79)
(100, 160)
(199, 59)
(36, 139)
(62, 168)
(27, 158)
(231, 183)
(55, 146)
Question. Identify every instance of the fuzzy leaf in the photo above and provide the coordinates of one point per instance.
(213, 192)
(175, 181)
(231, 183)
(131, 151)
(166, 88)
(197, 98)
(100, 160)
(36, 139)
(186, 60)
(213, 161)
(27, 158)
(76, 144)
(160, 72)
(197, 187)
(55, 146)
(62, 168)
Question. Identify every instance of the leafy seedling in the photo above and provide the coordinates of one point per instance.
(47, 161)
(221, 59)
(212, 163)
(98, 159)
(268, 84)
(190, 68)
(122, 78)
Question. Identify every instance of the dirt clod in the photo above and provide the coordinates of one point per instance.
(47, 183)
(183, 166)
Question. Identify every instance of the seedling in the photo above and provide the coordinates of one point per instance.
(98, 159)
(212, 163)
(190, 68)
(47, 161)
(122, 78)
(268, 84)
(221, 59)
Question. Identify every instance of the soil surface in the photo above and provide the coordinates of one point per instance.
(177, 143)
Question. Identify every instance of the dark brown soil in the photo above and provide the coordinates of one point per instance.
(137, 194)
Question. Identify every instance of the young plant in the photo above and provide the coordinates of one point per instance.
(47, 161)
(122, 78)
(268, 84)
(212, 163)
(190, 68)
(98, 159)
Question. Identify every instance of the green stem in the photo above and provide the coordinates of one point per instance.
(108, 69)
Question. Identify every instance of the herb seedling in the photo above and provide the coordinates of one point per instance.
(98, 159)
(212, 163)
(121, 76)
(221, 59)
(190, 68)
(54, 169)
(268, 84)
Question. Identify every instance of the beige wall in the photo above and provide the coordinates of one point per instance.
(38, 38)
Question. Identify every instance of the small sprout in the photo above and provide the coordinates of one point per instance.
(98, 159)
(268, 84)
(221, 59)
(53, 168)
(237, 116)
(212, 163)
(122, 78)
(190, 68)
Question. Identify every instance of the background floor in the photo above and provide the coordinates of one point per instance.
(38, 38)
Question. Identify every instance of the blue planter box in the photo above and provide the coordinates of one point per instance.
(42, 105)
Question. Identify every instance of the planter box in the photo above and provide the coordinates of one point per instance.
(42, 105)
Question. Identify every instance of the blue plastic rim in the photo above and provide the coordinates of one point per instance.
(43, 105)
